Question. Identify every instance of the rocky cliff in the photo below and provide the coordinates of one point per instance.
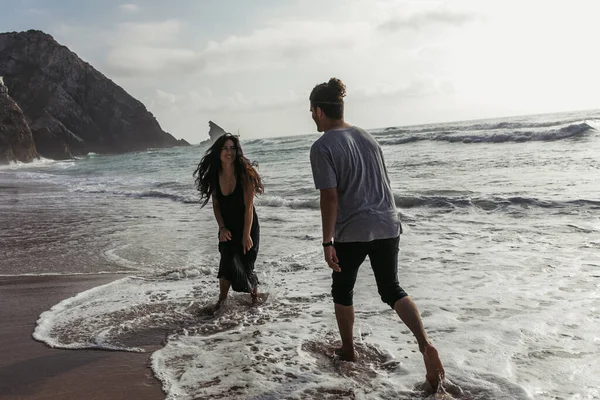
(16, 141)
(72, 108)
(215, 131)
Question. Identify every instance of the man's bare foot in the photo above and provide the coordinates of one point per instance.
(346, 356)
(435, 371)
(453, 389)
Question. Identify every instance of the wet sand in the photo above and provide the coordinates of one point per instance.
(32, 370)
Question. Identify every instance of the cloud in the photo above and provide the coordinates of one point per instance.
(66, 30)
(419, 86)
(148, 32)
(151, 48)
(276, 45)
(428, 18)
(239, 103)
(38, 12)
(146, 48)
(129, 7)
(282, 36)
(132, 60)
(203, 101)
(280, 43)
(167, 98)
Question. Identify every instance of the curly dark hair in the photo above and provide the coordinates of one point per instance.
(207, 172)
(329, 97)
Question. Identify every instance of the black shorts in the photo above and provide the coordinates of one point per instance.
(383, 254)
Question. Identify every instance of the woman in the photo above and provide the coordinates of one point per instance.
(231, 180)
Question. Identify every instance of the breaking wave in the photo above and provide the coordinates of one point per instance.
(488, 204)
(566, 132)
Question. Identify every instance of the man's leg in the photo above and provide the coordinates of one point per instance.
(384, 261)
(345, 320)
(409, 314)
(350, 257)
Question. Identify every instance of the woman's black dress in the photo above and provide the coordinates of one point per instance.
(235, 266)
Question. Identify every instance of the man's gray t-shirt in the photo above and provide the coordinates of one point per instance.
(351, 160)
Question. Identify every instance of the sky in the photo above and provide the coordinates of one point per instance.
(249, 66)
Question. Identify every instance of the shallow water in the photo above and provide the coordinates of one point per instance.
(500, 251)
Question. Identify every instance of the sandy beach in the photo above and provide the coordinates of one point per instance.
(31, 370)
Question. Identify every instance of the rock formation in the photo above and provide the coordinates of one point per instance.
(71, 108)
(16, 141)
(215, 131)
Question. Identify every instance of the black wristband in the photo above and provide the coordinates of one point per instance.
(330, 243)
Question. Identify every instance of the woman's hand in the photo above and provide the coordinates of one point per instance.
(247, 243)
(224, 235)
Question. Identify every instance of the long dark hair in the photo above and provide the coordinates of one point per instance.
(207, 172)
(329, 97)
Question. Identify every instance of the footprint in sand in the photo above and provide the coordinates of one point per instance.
(370, 359)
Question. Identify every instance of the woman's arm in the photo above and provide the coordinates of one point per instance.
(248, 215)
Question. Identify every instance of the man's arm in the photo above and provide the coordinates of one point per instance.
(329, 203)
(326, 181)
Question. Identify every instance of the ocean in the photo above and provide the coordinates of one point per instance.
(500, 251)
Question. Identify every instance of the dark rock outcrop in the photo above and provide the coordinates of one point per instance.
(71, 108)
(215, 131)
(16, 141)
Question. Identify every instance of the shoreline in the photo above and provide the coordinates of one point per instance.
(32, 370)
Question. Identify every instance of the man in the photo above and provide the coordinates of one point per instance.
(359, 218)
